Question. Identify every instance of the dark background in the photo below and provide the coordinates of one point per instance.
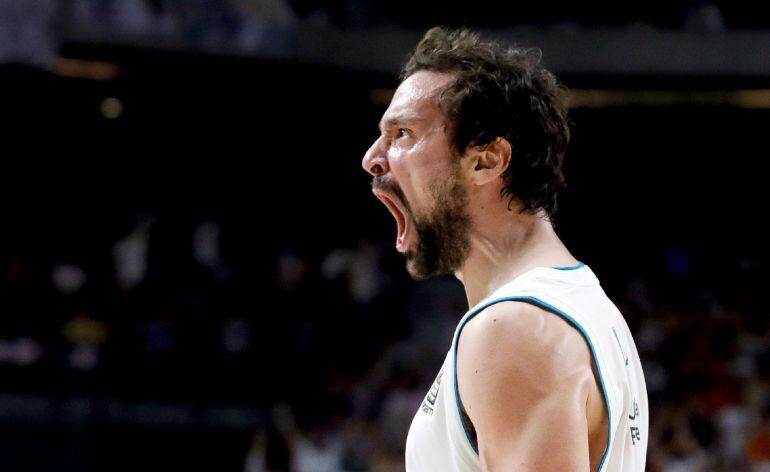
(300, 343)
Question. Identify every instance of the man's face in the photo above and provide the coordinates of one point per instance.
(417, 176)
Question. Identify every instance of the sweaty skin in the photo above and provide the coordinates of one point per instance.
(526, 383)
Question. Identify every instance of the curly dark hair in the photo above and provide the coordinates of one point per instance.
(501, 92)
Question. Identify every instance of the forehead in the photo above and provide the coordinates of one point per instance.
(417, 98)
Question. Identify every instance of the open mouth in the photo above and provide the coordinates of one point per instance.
(397, 210)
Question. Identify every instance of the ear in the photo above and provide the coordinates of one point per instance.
(488, 162)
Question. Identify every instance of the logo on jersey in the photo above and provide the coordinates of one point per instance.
(429, 403)
(635, 432)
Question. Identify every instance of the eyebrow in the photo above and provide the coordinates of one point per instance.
(400, 118)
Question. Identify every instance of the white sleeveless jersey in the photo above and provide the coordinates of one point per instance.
(438, 439)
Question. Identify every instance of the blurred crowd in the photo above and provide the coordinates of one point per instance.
(32, 31)
(339, 346)
(221, 16)
(332, 340)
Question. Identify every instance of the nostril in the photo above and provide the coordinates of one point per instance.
(377, 169)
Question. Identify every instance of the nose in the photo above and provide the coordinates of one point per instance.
(375, 161)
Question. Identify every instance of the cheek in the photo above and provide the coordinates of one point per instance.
(434, 170)
(420, 168)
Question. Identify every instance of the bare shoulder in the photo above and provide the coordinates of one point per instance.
(523, 338)
(526, 381)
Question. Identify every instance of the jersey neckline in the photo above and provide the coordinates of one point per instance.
(491, 296)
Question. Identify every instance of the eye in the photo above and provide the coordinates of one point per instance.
(404, 133)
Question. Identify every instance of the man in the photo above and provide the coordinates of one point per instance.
(542, 373)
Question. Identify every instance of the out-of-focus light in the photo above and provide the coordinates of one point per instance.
(598, 98)
(381, 97)
(752, 98)
(582, 98)
(112, 108)
(78, 68)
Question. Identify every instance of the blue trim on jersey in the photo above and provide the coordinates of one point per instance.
(578, 266)
(551, 308)
(621, 347)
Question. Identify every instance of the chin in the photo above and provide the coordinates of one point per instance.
(414, 269)
(411, 267)
(418, 276)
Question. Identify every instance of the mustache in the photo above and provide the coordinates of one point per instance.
(387, 185)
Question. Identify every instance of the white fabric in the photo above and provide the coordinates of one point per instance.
(437, 440)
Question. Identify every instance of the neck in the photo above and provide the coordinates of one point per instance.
(501, 251)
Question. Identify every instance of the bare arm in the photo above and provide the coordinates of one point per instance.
(524, 377)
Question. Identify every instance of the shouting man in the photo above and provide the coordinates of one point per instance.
(542, 373)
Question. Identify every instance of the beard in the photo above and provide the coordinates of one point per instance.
(443, 240)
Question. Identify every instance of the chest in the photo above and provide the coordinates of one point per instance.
(436, 439)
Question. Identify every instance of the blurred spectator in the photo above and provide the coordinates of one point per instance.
(27, 34)
(130, 256)
(318, 450)
(266, 26)
(269, 452)
(20, 351)
(361, 269)
(86, 336)
(758, 443)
